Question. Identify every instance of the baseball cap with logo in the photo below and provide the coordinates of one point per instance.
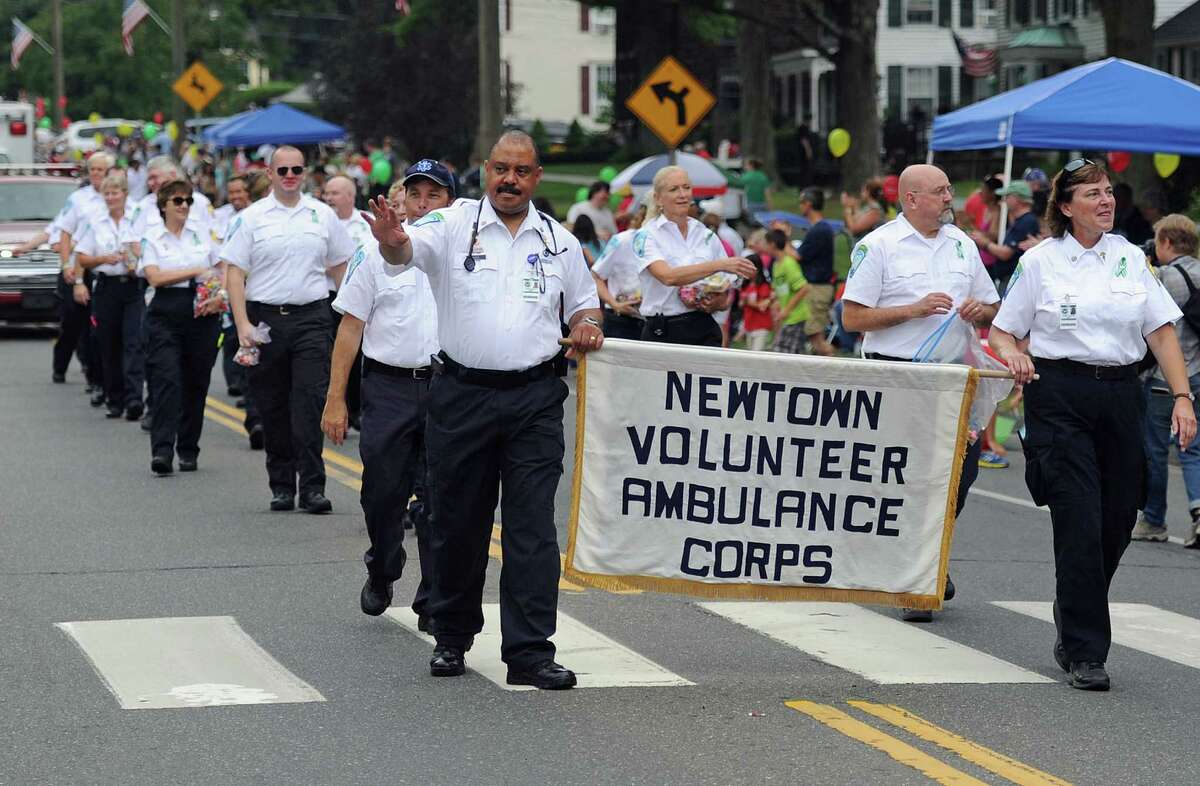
(430, 170)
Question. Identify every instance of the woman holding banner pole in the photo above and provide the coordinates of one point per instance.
(1090, 306)
(677, 255)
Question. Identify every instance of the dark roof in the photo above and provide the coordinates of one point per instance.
(1181, 28)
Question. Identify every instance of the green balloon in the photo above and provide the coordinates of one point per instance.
(608, 173)
(581, 194)
(381, 172)
(122, 162)
(44, 122)
(149, 131)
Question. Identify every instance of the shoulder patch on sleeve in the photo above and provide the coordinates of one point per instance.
(856, 258)
(431, 218)
(639, 242)
(237, 224)
(1016, 275)
(359, 255)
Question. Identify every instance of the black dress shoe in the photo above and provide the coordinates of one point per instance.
(1088, 676)
(375, 597)
(240, 403)
(234, 391)
(97, 399)
(948, 594)
(147, 423)
(134, 412)
(187, 465)
(447, 662)
(161, 465)
(256, 437)
(281, 500)
(315, 502)
(112, 413)
(57, 378)
(546, 675)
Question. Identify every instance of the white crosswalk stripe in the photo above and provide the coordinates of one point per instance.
(1137, 625)
(881, 648)
(597, 660)
(175, 662)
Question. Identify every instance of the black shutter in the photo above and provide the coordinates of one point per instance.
(966, 13)
(966, 88)
(895, 13)
(945, 88)
(895, 88)
(943, 11)
(1041, 10)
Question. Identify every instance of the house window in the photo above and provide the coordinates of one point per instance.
(605, 75)
(919, 12)
(919, 93)
(603, 20)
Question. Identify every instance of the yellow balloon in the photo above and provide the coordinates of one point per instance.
(172, 130)
(94, 117)
(77, 154)
(1166, 163)
(98, 138)
(839, 142)
(124, 130)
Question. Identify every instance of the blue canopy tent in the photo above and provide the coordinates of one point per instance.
(278, 124)
(1110, 104)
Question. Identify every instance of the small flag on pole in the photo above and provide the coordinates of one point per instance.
(134, 13)
(22, 38)
(977, 60)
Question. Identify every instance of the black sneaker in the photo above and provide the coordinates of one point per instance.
(161, 465)
(97, 399)
(375, 597)
(282, 500)
(546, 675)
(447, 662)
(256, 437)
(315, 502)
(112, 413)
(187, 465)
(57, 378)
(134, 412)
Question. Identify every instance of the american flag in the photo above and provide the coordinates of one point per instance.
(22, 38)
(134, 13)
(977, 59)
(402, 7)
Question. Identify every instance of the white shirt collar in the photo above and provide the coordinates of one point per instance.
(488, 216)
(1074, 251)
(907, 229)
(276, 204)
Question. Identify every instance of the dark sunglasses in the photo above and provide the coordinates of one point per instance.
(179, 201)
(1077, 164)
(283, 170)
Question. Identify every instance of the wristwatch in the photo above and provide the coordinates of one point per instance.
(1190, 396)
(591, 321)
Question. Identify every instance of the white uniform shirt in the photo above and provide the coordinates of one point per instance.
(618, 265)
(136, 178)
(1117, 301)
(146, 216)
(896, 266)
(167, 252)
(664, 241)
(400, 312)
(485, 320)
(360, 233)
(78, 209)
(285, 251)
(103, 236)
(730, 236)
(222, 217)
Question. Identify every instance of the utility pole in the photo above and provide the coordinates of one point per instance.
(489, 77)
(59, 88)
(178, 47)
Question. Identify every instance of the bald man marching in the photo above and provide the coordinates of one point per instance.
(905, 277)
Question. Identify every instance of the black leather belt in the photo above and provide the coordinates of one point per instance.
(877, 356)
(1105, 373)
(125, 279)
(501, 380)
(286, 308)
(371, 366)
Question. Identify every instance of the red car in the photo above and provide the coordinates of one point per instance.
(30, 198)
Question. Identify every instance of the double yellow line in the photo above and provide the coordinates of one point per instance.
(935, 769)
(348, 472)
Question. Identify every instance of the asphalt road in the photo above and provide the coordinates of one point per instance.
(87, 534)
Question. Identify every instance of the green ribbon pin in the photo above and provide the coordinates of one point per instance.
(1122, 269)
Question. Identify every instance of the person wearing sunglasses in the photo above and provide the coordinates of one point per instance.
(905, 279)
(395, 321)
(145, 217)
(183, 333)
(1089, 306)
(505, 278)
(279, 252)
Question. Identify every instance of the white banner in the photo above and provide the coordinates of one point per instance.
(757, 475)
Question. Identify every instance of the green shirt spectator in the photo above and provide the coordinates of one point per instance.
(788, 281)
(755, 183)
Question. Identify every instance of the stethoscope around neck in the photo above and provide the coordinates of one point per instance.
(469, 261)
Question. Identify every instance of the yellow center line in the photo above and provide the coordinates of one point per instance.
(902, 752)
(1008, 768)
(327, 454)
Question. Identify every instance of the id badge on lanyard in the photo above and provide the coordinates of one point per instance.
(1068, 313)
(531, 283)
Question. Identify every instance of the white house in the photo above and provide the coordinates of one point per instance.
(558, 57)
(920, 68)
